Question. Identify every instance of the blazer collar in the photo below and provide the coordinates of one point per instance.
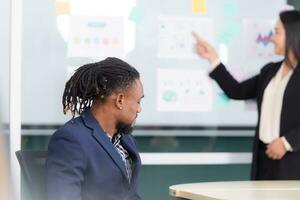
(128, 142)
(101, 137)
(297, 68)
(272, 73)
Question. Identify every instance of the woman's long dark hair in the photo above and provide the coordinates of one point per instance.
(291, 24)
(97, 81)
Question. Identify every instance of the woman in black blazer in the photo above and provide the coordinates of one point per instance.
(276, 146)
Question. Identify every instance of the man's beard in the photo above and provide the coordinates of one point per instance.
(124, 128)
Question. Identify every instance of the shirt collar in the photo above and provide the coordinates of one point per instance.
(116, 138)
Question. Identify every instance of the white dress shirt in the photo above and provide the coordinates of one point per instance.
(269, 128)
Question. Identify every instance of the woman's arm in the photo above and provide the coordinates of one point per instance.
(233, 89)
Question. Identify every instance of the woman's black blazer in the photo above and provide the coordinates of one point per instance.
(253, 88)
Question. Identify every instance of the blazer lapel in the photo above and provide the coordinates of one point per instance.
(128, 145)
(271, 74)
(266, 80)
(101, 137)
(294, 81)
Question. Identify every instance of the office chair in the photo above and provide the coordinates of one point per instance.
(33, 168)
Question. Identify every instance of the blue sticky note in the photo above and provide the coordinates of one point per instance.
(136, 14)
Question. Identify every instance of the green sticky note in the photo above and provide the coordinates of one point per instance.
(230, 9)
(136, 14)
(229, 32)
(234, 27)
(222, 100)
(226, 37)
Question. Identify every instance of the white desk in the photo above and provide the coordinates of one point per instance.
(242, 190)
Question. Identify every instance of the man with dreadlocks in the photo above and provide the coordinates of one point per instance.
(94, 156)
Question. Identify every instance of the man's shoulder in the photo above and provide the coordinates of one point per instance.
(72, 128)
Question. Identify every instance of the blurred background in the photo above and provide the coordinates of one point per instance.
(189, 131)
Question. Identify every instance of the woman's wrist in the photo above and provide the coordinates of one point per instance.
(214, 63)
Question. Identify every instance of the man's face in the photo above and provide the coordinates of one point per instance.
(131, 107)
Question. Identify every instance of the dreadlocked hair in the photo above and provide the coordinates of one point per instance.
(96, 81)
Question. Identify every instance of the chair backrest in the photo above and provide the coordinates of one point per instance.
(33, 168)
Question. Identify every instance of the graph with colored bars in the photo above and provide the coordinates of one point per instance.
(265, 40)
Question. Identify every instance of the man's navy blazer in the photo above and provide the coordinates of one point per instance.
(83, 164)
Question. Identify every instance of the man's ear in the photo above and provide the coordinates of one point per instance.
(120, 100)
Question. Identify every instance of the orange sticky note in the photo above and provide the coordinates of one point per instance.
(62, 8)
(199, 6)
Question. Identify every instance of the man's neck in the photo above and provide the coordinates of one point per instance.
(105, 119)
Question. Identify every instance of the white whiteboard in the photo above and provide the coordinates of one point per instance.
(157, 41)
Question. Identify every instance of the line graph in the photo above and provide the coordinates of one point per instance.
(264, 39)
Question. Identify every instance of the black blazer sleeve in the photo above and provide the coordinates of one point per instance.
(233, 89)
(293, 138)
